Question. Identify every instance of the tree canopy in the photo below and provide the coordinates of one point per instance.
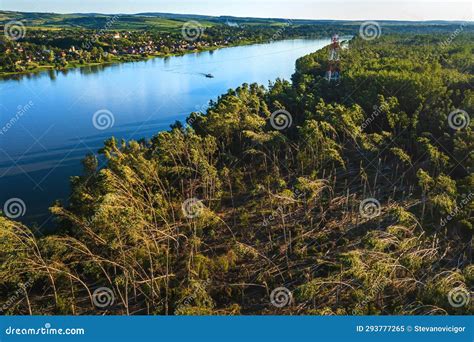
(358, 200)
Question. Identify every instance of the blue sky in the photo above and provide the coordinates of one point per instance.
(310, 9)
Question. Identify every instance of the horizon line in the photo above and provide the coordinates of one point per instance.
(233, 16)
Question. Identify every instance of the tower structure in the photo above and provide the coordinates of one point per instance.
(333, 72)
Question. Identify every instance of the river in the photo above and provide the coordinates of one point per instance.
(49, 121)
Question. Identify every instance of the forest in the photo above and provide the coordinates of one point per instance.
(309, 197)
(38, 41)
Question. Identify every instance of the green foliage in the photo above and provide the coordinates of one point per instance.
(211, 217)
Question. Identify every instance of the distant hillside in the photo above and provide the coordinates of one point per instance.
(171, 21)
(96, 21)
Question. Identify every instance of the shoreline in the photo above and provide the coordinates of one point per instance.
(134, 58)
(127, 59)
(289, 45)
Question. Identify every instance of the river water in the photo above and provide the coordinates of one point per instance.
(49, 121)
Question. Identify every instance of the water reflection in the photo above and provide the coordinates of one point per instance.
(43, 149)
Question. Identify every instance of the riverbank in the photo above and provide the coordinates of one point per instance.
(144, 97)
(125, 59)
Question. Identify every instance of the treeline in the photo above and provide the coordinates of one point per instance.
(28, 49)
(34, 41)
(310, 197)
(75, 47)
